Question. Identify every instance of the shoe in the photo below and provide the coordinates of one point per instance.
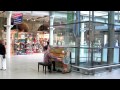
(50, 71)
(54, 69)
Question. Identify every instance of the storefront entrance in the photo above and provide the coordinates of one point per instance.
(29, 36)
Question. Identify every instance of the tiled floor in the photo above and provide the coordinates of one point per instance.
(25, 67)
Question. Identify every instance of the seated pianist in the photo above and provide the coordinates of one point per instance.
(48, 56)
(61, 55)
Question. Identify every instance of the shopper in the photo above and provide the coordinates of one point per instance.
(48, 57)
(2, 56)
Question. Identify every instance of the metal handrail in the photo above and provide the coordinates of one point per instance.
(95, 68)
(86, 47)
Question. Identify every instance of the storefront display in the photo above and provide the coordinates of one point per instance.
(43, 37)
(26, 43)
(28, 37)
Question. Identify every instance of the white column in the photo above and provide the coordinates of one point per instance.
(82, 40)
(51, 29)
(8, 29)
(105, 39)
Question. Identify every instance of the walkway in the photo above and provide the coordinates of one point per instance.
(25, 67)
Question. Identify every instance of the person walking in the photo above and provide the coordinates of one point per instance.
(2, 56)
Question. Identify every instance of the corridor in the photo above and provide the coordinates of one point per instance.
(25, 67)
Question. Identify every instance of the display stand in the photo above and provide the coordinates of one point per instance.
(25, 43)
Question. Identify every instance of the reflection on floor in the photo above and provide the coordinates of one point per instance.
(25, 67)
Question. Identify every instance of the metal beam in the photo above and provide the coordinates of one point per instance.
(77, 50)
(111, 37)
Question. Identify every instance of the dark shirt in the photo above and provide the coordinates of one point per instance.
(2, 50)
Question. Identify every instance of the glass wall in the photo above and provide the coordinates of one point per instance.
(94, 35)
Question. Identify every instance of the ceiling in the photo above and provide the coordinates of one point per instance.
(41, 16)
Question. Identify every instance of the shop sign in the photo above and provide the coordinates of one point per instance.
(17, 18)
(70, 16)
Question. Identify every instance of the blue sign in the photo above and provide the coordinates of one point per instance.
(17, 18)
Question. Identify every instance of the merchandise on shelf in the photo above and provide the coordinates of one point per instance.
(26, 43)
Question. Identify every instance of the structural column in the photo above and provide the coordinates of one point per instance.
(92, 39)
(119, 35)
(77, 50)
(8, 29)
(110, 55)
(51, 28)
(119, 45)
(82, 40)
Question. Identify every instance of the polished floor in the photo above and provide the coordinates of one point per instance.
(25, 67)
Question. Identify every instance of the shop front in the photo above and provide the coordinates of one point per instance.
(27, 37)
(25, 43)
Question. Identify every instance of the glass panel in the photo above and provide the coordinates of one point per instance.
(63, 35)
(93, 36)
(101, 16)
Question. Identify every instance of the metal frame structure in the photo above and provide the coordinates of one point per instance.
(109, 18)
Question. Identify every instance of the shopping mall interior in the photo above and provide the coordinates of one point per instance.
(87, 43)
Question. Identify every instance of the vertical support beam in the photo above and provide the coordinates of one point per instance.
(8, 27)
(110, 55)
(51, 27)
(119, 46)
(89, 39)
(92, 40)
(118, 16)
(77, 50)
(82, 40)
(102, 45)
(119, 35)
